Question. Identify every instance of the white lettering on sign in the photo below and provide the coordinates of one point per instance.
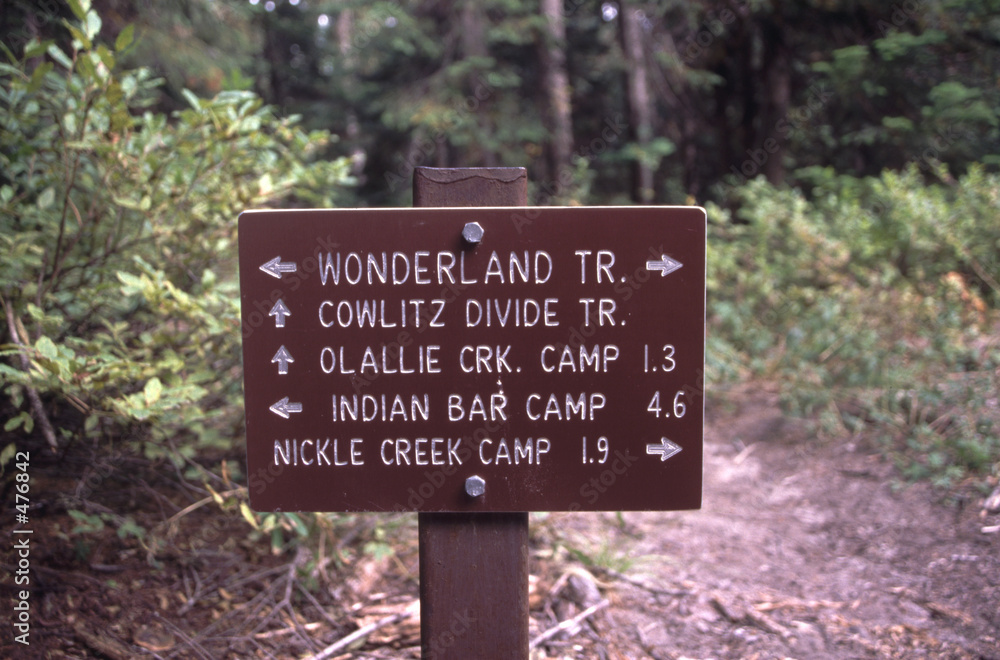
(477, 408)
(372, 313)
(485, 359)
(582, 406)
(382, 360)
(382, 408)
(371, 268)
(514, 312)
(318, 452)
(605, 310)
(502, 452)
(602, 264)
(421, 451)
(519, 269)
(595, 359)
(667, 363)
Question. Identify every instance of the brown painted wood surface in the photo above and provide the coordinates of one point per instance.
(473, 566)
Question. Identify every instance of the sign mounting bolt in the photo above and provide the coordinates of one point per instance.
(473, 233)
(475, 486)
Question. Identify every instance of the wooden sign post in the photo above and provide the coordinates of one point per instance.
(473, 359)
(473, 566)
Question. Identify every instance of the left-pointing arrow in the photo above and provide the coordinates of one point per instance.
(282, 357)
(283, 408)
(275, 267)
(665, 448)
(279, 312)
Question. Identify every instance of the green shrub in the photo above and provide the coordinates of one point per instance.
(873, 292)
(118, 227)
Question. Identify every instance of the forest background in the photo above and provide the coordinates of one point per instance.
(846, 150)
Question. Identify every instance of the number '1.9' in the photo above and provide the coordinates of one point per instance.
(602, 450)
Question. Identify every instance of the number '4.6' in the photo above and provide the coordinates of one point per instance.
(663, 362)
(677, 409)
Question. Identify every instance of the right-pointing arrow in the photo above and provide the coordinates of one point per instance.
(283, 408)
(665, 265)
(665, 449)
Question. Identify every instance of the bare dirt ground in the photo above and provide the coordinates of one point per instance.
(803, 549)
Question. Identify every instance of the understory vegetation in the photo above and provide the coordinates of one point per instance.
(872, 301)
(874, 304)
(118, 229)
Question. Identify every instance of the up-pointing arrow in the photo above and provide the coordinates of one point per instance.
(283, 408)
(275, 267)
(665, 265)
(665, 449)
(282, 357)
(279, 312)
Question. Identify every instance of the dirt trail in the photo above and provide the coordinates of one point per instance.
(803, 550)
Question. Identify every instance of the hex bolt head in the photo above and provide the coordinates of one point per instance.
(475, 486)
(473, 233)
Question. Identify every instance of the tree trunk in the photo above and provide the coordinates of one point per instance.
(776, 104)
(273, 55)
(639, 101)
(473, 40)
(557, 89)
(352, 130)
(473, 37)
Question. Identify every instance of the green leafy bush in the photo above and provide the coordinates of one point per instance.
(117, 226)
(874, 303)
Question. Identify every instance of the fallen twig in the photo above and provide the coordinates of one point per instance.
(745, 453)
(360, 633)
(795, 603)
(270, 634)
(104, 644)
(739, 615)
(197, 505)
(643, 585)
(569, 623)
(188, 641)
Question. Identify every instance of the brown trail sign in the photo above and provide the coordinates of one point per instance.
(476, 360)
(555, 363)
